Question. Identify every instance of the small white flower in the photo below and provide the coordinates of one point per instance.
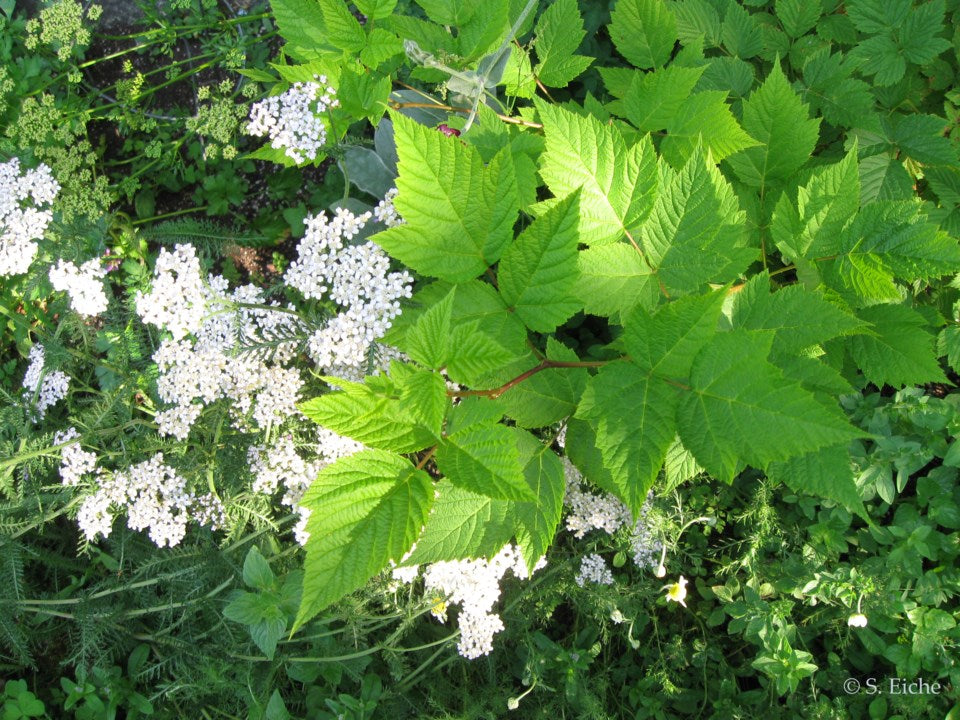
(677, 592)
(857, 620)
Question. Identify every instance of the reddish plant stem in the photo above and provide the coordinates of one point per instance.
(544, 365)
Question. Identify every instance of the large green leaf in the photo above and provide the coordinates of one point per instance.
(459, 214)
(538, 519)
(695, 233)
(825, 473)
(810, 227)
(740, 409)
(799, 317)
(776, 117)
(617, 181)
(654, 99)
(463, 524)
(343, 29)
(365, 510)
(899, 350)
(888, 240)
(547, 397)
(301, 24)
(632, 415)
(613, 279)
(538, 271)
(643, 31)
(703, 118)
(484, 459)
(472, 301)
(665, 343)
(360, 413)
(558, 35)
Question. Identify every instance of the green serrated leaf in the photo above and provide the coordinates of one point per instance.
(899, 350)
(798, 16)
(381, 45)
(653, 99)
(740, 33)
(643, 31)
(617, 182)
(366, 510)
(301, 24)
(484, 459)
(695, 233)
(256, 570)
(473, 354)
(888, 240)
(537, 521)
(613, 279)
(343, 29)
(918, 35)
(424, 395)
(559, 32)
(705, 118)
(666, 342)
(884, 178)
(463, 524)
(376, 9)
(948, 345)
(632, 416)
(799, 317)
(459, 214)
(548, 396)
(843, 100)
(879, 56)
(428, 339)
(776, 117)
(740, 409)
(538, 272)
(360, 413)
(921, 137)
(824, 206)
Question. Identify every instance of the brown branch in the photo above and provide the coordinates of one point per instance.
(426, 458)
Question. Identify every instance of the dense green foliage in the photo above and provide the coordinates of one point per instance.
(700, 256)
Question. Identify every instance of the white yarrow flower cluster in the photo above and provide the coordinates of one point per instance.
(647, 549)
(355, 277)
(593, 568)
(176, 302)
(291, 119)
(385, 211)
(75, 462)
(154, 498)
(195, 373)
(83, 284)
(474, 585)
(590, 511)
(48, 388)
(22, 221)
